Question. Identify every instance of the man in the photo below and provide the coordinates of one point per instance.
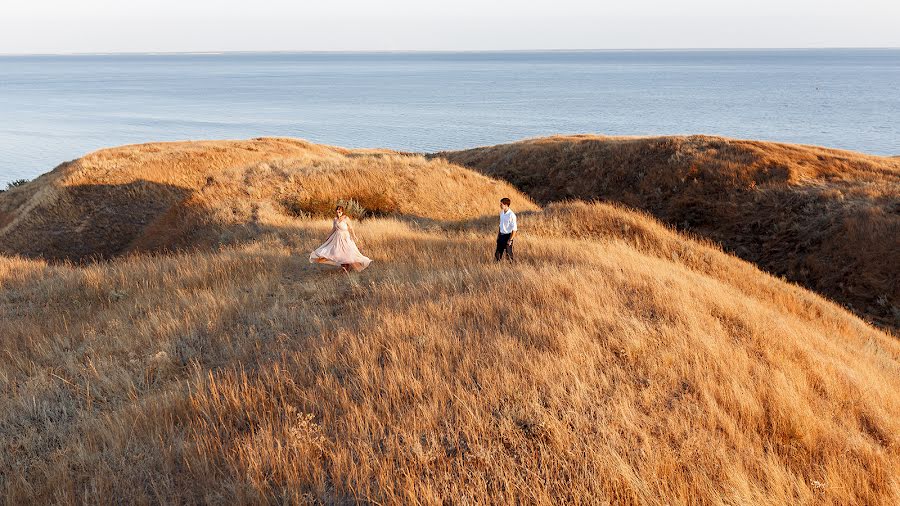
(508, 229)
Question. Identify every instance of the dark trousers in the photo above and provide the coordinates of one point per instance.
(503, 244)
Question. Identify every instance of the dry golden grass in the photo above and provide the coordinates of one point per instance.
(164, 196)
(617, 361)
(824, 218)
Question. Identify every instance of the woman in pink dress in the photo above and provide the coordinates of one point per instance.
(340, 249)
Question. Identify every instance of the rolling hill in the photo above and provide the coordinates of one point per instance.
(166, 340)
(166, 196)
(824, 218)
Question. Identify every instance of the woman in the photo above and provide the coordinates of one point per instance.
(340, 249)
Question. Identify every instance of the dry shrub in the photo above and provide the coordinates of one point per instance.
(358, 207)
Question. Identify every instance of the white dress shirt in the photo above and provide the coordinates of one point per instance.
(508, 223)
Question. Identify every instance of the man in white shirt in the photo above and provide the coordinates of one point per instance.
(508, 229)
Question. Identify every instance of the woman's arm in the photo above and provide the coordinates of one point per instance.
(352, 231)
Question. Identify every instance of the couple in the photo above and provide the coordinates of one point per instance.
(340, 247)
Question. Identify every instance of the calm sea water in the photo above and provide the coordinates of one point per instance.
(56, 108)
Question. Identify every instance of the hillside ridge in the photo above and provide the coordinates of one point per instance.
(825, 218)
(175, 195)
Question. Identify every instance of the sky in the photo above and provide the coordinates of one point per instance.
(102, 26)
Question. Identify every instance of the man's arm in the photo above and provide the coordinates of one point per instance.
(515, 227)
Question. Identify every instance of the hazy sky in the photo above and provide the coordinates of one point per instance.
(66, 26)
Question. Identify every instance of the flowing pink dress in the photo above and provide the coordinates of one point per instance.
(339, 249)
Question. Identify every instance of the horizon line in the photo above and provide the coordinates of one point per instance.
(433, 51)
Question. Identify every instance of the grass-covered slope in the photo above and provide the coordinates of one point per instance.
(165, 196)
(617, 361)
(824, 218)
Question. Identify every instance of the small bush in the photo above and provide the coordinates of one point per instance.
(353, 208)
(321, 208)
(294, 207)
(374, 204)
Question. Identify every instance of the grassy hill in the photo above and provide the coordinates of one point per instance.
(164, 196)
(824, 218)
(203, 359)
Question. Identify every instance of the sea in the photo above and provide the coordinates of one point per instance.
(57, 108)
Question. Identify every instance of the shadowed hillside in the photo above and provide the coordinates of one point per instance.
(618, 361)
(827, 219)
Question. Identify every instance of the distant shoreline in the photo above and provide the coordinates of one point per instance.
(58, 107)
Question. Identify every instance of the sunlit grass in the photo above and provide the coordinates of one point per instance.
(824, 218)
(617, 361)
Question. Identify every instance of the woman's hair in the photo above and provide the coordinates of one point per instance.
(339, 207)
